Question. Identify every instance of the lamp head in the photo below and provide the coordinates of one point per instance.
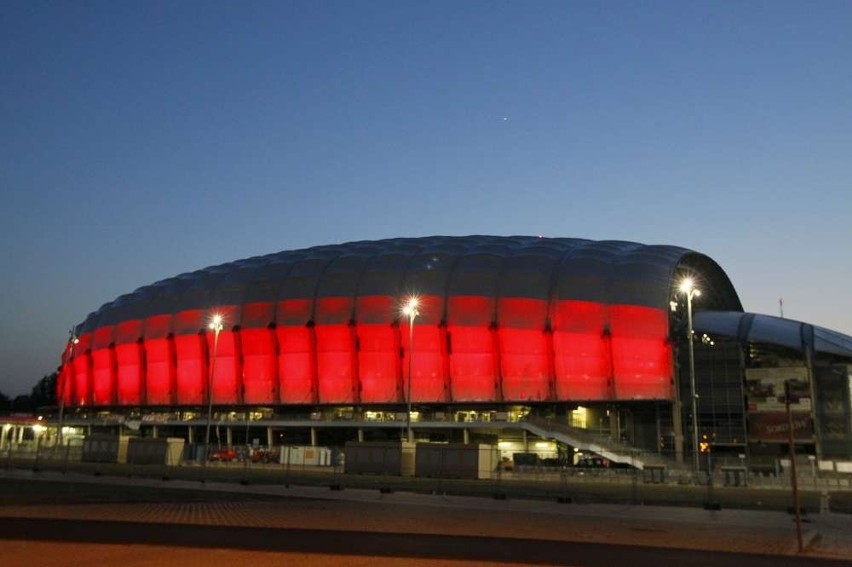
(687, 286)
(216, 323)
(410, 307)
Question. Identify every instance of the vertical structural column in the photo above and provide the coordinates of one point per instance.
(807, 333)
(614, 424)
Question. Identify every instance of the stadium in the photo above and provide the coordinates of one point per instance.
(555, 348)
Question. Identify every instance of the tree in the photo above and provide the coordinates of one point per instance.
(22, 404)
(44, 393)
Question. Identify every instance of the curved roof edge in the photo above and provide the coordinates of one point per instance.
(606, 271)
(752, 327)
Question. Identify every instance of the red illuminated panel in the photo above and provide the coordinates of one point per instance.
(473, 364)
(295, 364)
(128, 355)
(642, 357)
(430, 375)
(256, 315)
(227, 371)
(335, 368)
(159, 376)
(260, 367)
(377, 308)
(82, 364)
(379, 364)
(524, 361)
(103, 376)
(296, 367)
(582, 360)
(470, 310)
(159, 360)
(158, 326)
(473, 357)
(191, 372)
(128, 332)
(129, 361)
(190, 321)
(524, 349)
(103, 366)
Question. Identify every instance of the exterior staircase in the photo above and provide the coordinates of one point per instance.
(586, 440)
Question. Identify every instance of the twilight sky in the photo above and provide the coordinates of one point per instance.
(140, 140)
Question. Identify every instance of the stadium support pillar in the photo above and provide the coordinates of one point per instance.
(313, 436)
(614, 425)
(229, 437)
(155, 432)
(526, 441)
(269, 438)
(190, 435)
(360, 435)
(467, 436)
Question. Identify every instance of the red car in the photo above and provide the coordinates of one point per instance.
(223, 455)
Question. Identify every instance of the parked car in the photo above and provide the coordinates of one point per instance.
(223, 455)
(593, 463)
(264, 456)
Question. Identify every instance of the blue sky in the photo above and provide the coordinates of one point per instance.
(140, 140)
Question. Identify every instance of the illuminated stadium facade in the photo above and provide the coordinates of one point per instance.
(550, 337)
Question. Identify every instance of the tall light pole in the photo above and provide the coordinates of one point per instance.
(216, 326)
(410, 311)
(687, 287)
(69, 358)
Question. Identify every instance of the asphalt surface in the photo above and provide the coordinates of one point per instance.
(336, 546)
(54, 519)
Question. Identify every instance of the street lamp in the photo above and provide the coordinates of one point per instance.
(216, 326)
(687, 287)
(410, 311)
(72, 340)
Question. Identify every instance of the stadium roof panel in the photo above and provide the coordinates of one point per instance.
(610, 272)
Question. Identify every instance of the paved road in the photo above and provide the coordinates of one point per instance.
(52, 519)
(337, 547)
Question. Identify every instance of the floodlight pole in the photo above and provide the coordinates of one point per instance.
(690, 293)
(410, 309)
(72, 340)
(216, 326)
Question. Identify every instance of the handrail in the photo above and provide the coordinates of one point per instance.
(612, 450)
